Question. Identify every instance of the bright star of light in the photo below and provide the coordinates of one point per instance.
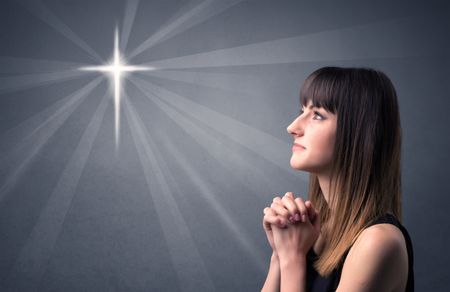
(118, 68)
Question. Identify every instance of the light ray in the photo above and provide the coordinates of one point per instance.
(207, 191)
(192, 17)
(34, 256)
(117, 68)
(11, 138)
(37, 8)
(24, 154)
(352, 43)
(27, 81)
(152, 40)
(236, 83)
(15, 65)
(130, 14)
(236, 163)
(268, 147)
(177, 235)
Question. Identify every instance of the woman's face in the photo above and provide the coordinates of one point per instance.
(314, 133)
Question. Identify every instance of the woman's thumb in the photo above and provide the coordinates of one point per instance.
(313, 215)
(311, 211)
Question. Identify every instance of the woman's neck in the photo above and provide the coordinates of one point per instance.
(324, 182)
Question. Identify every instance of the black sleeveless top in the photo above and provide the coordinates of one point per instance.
(316, 283)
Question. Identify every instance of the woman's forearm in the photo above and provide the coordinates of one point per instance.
(272, 283)
(293, 274)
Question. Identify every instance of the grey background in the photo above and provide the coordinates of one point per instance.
(177, 206)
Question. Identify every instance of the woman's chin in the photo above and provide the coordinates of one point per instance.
(296, 164)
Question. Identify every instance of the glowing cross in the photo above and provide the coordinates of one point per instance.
(118, 69)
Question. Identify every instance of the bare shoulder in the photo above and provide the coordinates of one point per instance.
(377, 261)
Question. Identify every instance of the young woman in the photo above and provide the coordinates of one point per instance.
(348, 236)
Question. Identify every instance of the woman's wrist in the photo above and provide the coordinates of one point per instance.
(274, 257)
(292, 260)
(293, 273)
(273, 279)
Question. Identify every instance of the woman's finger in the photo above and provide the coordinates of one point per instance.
(290, 194)
(303, 210)
(269, 211)
(281, 222)
(266, 223)
(270, 219)
(280, 210)
(289, 204)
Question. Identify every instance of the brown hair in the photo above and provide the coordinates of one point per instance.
(366, 159)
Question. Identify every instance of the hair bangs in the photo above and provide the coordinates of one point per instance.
(320, 89)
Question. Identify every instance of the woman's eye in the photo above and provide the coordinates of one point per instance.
(319, 115)
(315, 114)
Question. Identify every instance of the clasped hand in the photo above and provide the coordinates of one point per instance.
(291, 225)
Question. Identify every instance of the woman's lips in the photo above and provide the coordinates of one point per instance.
(297, 147)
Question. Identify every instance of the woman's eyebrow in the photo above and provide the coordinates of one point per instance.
(313, 106)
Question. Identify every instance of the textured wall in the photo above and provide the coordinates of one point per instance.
(171, 197)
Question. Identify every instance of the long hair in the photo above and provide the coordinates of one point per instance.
(365, 180)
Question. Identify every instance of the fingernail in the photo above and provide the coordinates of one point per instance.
(297, 217)
(303, 218)
(291, 218)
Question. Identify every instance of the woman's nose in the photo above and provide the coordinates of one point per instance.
(294, 128)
